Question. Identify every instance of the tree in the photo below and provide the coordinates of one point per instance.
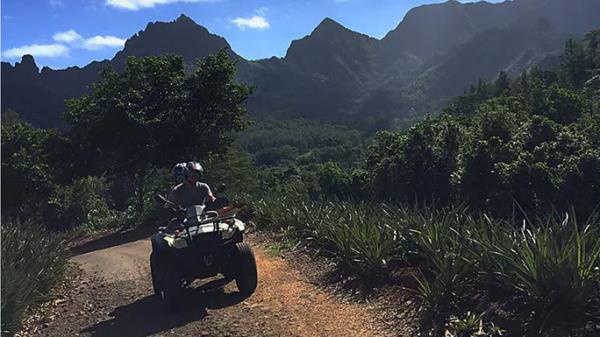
(27, 176)
(502, 84)
(334, 181)
(593, 49)
(10, 117)
(563, 105)
(151, 114)
(573, 64)
(235, 169)
(416, 166)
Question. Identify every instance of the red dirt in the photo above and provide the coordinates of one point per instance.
(111, 295)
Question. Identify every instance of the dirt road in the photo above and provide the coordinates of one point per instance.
(112, 296)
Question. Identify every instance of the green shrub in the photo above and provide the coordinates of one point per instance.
(440, 251)
(360, 237)
(278, 207)
(158, 181)
(550, 272)
(83, 203)
(235, 169)
(334, 181)
(543, 277)
(32, 263)
(532, 139)
(471, 325)
(27, 176)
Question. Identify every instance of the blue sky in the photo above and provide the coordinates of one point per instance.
(63, 33)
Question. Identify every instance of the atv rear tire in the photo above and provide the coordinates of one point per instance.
(155, 273)
(246, 276)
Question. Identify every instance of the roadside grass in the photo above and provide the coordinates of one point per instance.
(33, 261)
(537, 277)
(549, 270)
(286, 242)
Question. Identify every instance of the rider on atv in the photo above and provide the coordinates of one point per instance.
(200, 242)
(191, 191)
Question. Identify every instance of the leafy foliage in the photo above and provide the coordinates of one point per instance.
(156, 116)
(541, 278)
(336, 182)
(527, 140)
(301, 142)
(83, 203)
(30, 166)
(356, 235)
(416, 165)
(236, 170)
(471, 325)
(551, 269)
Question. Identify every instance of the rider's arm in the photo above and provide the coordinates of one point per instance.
(173, 196)
(210, 197)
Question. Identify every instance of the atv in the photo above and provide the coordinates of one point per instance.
(198, 244)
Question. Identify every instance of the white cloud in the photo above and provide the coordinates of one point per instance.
(261, 11)
(68, 36)
(135, 5)
(255, 22)
(56, 3)
(99, 42)
(37, 50)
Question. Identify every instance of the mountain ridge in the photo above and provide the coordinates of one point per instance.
(334, 73)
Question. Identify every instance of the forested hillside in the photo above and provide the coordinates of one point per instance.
(529, 140)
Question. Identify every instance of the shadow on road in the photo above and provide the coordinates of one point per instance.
(113, 239)
(147, 316)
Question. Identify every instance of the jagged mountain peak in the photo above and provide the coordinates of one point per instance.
(328, 37)
(27, 65)
(450, 3)
(429, 29)
(182, 25)
(182, 22)
(184, 19)
(183, 36)
(330, 29)
(328, 26)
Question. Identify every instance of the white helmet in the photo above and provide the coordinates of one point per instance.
(193, 166)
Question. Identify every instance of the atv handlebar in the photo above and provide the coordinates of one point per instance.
(169, 203)
(177, 208)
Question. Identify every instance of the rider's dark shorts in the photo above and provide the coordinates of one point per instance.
(158, 242)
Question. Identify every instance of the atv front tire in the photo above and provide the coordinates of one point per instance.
(171, 291)
(246, 276)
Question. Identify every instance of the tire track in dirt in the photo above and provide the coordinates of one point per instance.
(112, 296)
